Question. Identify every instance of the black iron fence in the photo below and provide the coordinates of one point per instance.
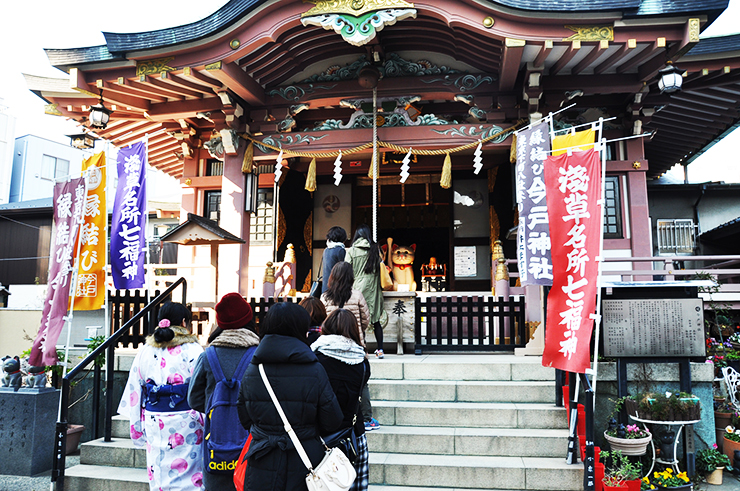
(469, 323)
(261, 305)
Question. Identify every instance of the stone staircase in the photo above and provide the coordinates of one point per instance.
(448, 421)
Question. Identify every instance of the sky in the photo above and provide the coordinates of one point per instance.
(32, 25)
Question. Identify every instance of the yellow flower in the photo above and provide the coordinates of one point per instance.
(652, 487)
(656, 474)
(669, 470)
(645, 479)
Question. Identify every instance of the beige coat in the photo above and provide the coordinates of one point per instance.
(356, 304)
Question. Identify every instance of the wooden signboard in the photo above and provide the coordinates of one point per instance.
(653, 327)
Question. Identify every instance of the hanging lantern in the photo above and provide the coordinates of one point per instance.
(670, 79)
(99, 114)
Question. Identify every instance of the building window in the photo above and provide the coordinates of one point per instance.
(612, 209)
(214, 167)
(676, 236)
(53, 168)
(261, 227)
(213, 205)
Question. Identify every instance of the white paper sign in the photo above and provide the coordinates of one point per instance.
(465, 265)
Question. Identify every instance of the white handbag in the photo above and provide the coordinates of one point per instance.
(334, 473)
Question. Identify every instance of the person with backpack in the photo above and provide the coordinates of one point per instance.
(214, 389)
(155, 402)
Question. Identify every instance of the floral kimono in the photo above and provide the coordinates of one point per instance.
(155, 401)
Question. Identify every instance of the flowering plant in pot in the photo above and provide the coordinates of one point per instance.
(630, 439)
(712, 462)
(619, 470)
(731, 442)
(668, 480)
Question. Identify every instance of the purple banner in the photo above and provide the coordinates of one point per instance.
(127, 243)
(533, 237)
(69, 198)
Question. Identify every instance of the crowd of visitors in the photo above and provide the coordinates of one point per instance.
(208, 418)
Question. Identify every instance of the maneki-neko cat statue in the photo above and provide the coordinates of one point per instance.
(400, 259)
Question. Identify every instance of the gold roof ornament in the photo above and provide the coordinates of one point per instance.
(357, 21)
(355, 8)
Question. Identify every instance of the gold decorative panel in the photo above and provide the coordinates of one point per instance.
(354, 7)
(158, 65)
(591, 33)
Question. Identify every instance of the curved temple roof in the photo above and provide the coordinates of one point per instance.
(287, 77)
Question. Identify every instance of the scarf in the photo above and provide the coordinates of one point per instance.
(236, 338)
(330, 244)
(340, 348)
(182, 336)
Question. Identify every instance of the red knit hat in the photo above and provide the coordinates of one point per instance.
(233, 312)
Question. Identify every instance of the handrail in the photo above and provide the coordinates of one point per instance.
(60, 444)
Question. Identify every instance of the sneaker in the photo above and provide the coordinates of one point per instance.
(379, 353)
(372, 424)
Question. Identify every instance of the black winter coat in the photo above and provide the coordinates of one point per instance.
(303, 390)
(331, 257)
(347, 381)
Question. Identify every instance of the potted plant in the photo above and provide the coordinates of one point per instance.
(619, 471)
(630, 439)
(671, 406)
(668, 480)
(712, 462)
(731, 442)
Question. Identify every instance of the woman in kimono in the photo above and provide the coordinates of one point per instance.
(155, 401)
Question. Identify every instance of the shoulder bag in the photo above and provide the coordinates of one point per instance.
(334, 473)
(316, 285)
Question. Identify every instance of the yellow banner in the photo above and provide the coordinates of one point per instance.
(580, 139)
(90, 292)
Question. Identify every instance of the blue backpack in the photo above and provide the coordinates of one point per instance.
(225, 435)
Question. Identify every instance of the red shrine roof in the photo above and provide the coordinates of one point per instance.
(253, 62)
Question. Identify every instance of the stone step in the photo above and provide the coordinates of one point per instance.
(450, 471)
(120, 427)
(469, 414)
(500, 367)
(506, 442)
(105, 478)
(463, 391)
(120, 452)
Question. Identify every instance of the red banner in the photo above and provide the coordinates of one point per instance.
(69, 199)
(573, 188)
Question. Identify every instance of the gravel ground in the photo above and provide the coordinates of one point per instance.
(39, 482)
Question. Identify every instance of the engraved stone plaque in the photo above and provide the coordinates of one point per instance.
(654, 327)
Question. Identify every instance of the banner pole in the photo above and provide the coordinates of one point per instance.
(374, 163)
(148, 276)
(73, 288)
(599, 279)
(551, 114)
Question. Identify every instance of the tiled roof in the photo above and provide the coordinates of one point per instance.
(76, 56)
(571, 5)
(660, 7)
(721, 230)
(28, 205)
(236, 9)
(719, 44)
(222, 18)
